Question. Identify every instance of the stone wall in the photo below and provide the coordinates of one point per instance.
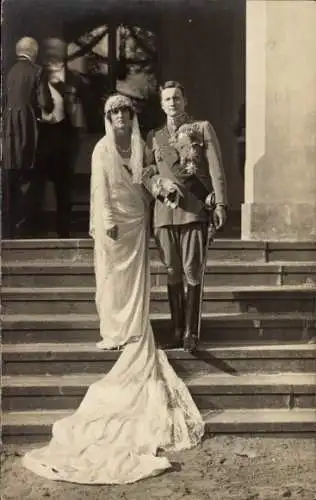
(281, 121)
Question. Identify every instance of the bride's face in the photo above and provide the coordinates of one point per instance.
(121, 119)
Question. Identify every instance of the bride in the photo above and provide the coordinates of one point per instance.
(140, 406)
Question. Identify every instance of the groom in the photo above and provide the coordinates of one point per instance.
(181, 227)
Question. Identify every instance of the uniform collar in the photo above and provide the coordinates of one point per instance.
(174, 123)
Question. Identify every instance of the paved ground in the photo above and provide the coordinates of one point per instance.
(222, 468)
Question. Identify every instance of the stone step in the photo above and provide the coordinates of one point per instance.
(225, 250)
(65, 300)
(83, 358)
(79, 224)
(35, 426)
(78, 274)
(232, 329)
(210, 392)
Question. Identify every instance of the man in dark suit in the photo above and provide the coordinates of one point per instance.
(20, 139)
(61, 119)
(181, 228)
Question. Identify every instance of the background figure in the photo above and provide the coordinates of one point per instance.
(240, 133)
(20, 139)
(61, 102)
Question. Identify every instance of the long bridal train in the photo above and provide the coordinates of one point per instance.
(139, 407)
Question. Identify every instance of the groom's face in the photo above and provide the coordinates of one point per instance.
(172, 102)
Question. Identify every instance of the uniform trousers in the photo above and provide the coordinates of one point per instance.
(182, 250)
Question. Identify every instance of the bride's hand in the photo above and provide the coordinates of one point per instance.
(113, 232)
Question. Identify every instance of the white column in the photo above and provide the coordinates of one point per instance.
(280, 176)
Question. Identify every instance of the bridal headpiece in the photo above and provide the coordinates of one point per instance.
(118, 101)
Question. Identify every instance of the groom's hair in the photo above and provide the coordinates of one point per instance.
(172, 84)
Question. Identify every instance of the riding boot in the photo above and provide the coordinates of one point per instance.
(176, 303)
(192, 318)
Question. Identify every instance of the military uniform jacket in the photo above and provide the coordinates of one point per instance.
(164, 157)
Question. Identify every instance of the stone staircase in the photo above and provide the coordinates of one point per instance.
(255, 370)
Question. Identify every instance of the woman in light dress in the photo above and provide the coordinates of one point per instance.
(140, 406)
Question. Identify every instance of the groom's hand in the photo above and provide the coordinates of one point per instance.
(172, 199)
(219, 216)
(113, 232)
(171, 193)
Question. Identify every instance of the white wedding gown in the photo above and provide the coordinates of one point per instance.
(141, 405)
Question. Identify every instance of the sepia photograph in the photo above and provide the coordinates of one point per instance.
(158, 249)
